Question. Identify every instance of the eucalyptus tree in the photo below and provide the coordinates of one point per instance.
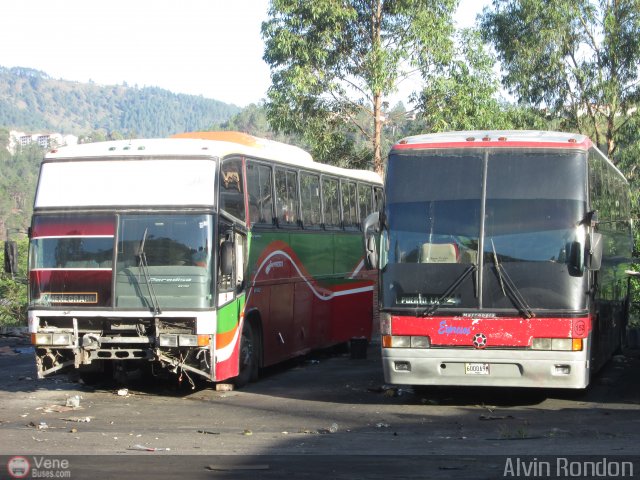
(336, 62)
(578, 58)
(465, 94)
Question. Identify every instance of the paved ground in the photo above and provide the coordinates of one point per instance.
(325, 414)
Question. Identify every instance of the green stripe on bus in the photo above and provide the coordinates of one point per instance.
(229, 315)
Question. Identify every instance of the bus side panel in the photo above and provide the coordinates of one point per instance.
(352, 314)
(278, 339)
(312, 314)
(303, 307)
(352, 305)
(227, 339)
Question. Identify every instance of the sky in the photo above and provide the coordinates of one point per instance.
(211, 48)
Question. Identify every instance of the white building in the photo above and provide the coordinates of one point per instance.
(45, 140)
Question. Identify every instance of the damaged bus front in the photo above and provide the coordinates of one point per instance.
(122, 273)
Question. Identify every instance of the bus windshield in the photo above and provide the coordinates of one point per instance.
(515, 206)
(164, 261)
(161, 261)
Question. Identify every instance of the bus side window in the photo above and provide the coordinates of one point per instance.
(377, 197)
(349, 208)
(331, 202)
(365, 199)
(260, 195)
(310, 200)
(287, 197)
(231, 188)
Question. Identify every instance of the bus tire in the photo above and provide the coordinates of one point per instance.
(247, 356)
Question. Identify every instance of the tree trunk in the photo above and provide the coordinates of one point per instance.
(376, 29)
(378, 165)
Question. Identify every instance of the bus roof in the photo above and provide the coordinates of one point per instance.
(495, 139)
(205, 145)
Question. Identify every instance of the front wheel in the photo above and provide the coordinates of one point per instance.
(248, 356)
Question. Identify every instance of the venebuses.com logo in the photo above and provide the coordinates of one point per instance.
(38, 467)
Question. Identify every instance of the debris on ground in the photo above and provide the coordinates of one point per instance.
(237, 467)
(77, 419)
(332, 429)
(144, 448)
(38, 426)
(123, 392)
(57, 409)
(74, 401)
(495, 417)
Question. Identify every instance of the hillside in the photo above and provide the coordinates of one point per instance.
(30, 100)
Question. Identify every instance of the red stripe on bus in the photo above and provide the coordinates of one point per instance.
(493, 144)
(500, 332)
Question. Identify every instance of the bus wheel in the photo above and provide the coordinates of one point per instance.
(248, 356)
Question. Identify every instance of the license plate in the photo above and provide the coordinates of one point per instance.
(476, 368)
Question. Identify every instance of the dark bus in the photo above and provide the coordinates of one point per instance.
(502, 259)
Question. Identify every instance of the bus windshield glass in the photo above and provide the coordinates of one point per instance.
(515, 206)
(164, 261)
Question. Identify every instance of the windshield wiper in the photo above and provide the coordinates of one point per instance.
(505, 281)
(144, 266)
(430, 310)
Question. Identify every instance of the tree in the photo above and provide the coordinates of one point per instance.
(13, 291)
(334, 62)
(465, 94)
(577, 57)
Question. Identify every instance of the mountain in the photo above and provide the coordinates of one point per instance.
(30, 100)
(33, 102)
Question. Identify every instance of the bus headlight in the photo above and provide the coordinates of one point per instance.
(48, 338)
(188, 340)
(405, 341)
(168, 340)
(420, 342)
(61, 339)
(558, 344)
(41, 339)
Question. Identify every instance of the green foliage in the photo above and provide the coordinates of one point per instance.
(578, 58)
(13, 291)
(464, 95)
(17, 186)
(627, 158)
(31, 100)
(333, 64)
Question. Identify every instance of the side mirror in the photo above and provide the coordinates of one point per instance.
(371, 253)
(226, 258)
(10, 257)
(594, 258)
(370, 228)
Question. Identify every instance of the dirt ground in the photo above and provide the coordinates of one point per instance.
(322, 413)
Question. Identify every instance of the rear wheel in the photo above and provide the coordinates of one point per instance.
(248, 356)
